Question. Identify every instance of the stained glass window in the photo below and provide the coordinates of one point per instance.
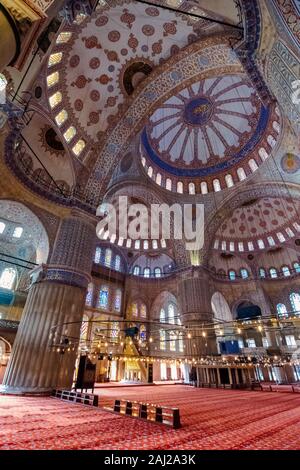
(162, 316)
(55, 99)
(134, 309)
(89, 295)
(273, 273)
(173, 338)
(143, 311)
(295, 302)
(171, 313)
(61, 117)
(97, 255)
(103, 297)
(63, 37)
(78, 147)
(118, 298)
(7, 278)
(146, 272)
(244, 273)
(296, 267)
(286, 271)
(281, 310)
(70, 133)
(136, 270)
(231, 275)
(181, 345)
(162, 340)
(157, 272)
(54, 59)
(117, 263)
(262, 273)
(108, 254)
(143, 333)
(52, 79)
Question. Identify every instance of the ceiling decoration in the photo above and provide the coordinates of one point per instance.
(261, 224)
(101, 60)
(212, 127)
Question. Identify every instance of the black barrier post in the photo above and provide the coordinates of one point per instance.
(128, 410)
(158, 415)
(117, 406)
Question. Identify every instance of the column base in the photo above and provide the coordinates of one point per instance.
(7, 390)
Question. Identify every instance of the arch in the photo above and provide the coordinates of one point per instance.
(32, 226)
(246, 309)
(220, 308)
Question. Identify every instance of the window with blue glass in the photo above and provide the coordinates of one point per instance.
(273, 273)
(244, 273)
(97, 258)
(117, 263)
(295, 302)
(108, 255)
(118, 298)
(262, 273)
(286, 271)
(281, 310)
(89, 295)
(296, 267)
(103, 297)
(232, 275)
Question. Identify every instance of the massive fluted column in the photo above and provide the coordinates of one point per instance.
(57, 297)
(196, 312)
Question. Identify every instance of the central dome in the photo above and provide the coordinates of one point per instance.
(208, 130)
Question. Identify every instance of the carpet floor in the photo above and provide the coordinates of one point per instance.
(211, 419)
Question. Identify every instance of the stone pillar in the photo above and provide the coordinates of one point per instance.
(57, 297)
(9, 38)
(194, 295)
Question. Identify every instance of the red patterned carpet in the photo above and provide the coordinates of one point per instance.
(212, 419)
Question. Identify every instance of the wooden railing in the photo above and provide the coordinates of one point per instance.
(76, 397)
(148, 411)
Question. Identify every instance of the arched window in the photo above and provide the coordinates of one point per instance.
(171, 313)
(158, 179)
(146, 245)
(154, 244)
(203, 187)
(295, 302)
(143, 334)
(118, 299)
(296, 267)
(136, 270)
(262, 273)
(7, 278)
(241, 174)
(162, 316)
(150, 171)
(157, 272)
(244, 273)
(162, 340)
(146, 272)
(281, 310)
(89, 295)
(143, 311)
(229, 181)
(263, 153)
(103, 297)
(273, 273)
(271, 141)
(232, 275)
(216, 185)
(108, 254)
(18, 232)
(261, 244)
(117, 263)
(169, 184)
(253, 165)
(134, 309)
(286, 271)
(97, 258)
(191, 188)
(180, 187)
(173, 339)
(137, 244)
(180, 343)
(2, 227)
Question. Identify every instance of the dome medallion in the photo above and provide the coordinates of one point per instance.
(198, 111)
